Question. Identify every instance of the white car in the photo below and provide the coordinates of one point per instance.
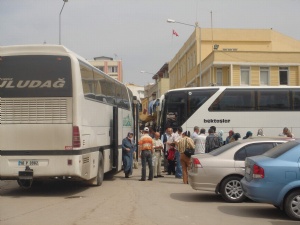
(221, 170)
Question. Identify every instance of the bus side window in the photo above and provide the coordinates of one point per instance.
(99, 86)
(273, 100)
(87, 81)
(296, 100)
(197, 98)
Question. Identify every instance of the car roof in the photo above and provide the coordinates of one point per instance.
(266, 138)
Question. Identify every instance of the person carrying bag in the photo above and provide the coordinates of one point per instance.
(186, 143)
(188, 151)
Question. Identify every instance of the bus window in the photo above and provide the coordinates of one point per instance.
(235, 100)
(100, 83)
(273, 100)
(35, 76)
(175, 109)
(110, 91)
(87, 81)
(296, 100)
(196, 98)
(125, 99)
(118, 95)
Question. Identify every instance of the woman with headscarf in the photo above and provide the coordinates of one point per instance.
(260, 132)
(248, 134)
(128, 148)
(220, 134)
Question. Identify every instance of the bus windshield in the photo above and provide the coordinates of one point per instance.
(35, 76)
(180, 105)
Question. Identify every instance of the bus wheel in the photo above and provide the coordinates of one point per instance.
(97, 181)
(100, 174)
(26, 184)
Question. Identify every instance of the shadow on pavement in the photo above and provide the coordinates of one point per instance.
(265, 212)
(47, 188)
(196, 197)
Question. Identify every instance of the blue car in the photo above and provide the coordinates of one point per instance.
(274, 178)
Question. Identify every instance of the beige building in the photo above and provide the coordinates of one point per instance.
(110, 66)
(162, 81)
(152, 93)
(235, 57)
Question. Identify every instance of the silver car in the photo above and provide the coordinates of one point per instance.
(221, 170)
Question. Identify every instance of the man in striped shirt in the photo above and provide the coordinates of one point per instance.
(146, 146)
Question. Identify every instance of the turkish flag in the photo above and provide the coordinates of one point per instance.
(175, 33)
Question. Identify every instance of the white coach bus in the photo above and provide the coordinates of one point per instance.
(60, 117)
(240, 109)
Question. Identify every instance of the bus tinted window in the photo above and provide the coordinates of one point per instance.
(175, 109)
(196, 98)
(296, 100)
(35, 76)
(273, 100)
(257, 100)
(180, 105)
(235, 100)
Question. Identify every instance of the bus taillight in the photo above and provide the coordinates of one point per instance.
(76, 137)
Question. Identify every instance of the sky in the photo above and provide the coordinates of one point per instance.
(136, 31)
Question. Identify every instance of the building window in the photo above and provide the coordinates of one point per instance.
(264, 75)
(112, 69)
(283, 75)
(245, 75)
(219, 77)
(100, 68)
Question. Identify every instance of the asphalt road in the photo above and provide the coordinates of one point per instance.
(121, 201)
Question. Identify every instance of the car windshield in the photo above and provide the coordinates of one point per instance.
(281, 149)
(224, 148)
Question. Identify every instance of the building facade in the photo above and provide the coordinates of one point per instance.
(235, 57)
(110, 66)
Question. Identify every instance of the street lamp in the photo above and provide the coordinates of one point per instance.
(195, 26)
(142, 71)
(174, 21)
(60, 20)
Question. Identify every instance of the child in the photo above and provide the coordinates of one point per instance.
(171, 159)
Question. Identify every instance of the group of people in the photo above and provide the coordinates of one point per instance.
(153, 150)
(214, 140)
(170, 147)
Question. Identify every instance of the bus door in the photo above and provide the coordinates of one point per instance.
(114, 143)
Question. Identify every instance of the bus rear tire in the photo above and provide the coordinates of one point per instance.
(25, 184)
(98, 180)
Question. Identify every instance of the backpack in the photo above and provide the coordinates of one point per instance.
(171, 154)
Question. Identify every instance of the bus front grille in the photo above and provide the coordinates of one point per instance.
(33, 110)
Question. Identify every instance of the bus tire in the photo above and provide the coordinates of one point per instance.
(25, 184)
(98, 180)
(100, 174)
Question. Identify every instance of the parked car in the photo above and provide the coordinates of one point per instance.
(221, 170)
(274, 178)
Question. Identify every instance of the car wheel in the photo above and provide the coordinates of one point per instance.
(231, 189)
(292, 205)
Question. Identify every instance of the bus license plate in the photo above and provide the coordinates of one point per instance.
(28, 163)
